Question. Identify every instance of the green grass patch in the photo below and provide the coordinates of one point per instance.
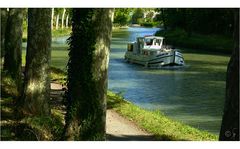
(55, 33)
(61, 32)
(44, 127)
(58, 75)
(149, 24)
(30, 128)
(156, 122)
(215, 43)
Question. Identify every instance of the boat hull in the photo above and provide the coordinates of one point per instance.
(163, 59)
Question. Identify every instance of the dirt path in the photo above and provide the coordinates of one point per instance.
(117, 127)
(121, 129)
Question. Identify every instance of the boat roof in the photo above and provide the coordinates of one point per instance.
(151, 37)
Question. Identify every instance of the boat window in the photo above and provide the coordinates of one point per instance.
(158, 42)
(149, 42)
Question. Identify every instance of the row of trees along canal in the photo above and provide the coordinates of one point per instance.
(87, 69)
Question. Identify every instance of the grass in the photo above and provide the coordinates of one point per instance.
(157, 123)
(61, 32)
(149, 24)
(30, 128)
(215, 43)
(55, 33)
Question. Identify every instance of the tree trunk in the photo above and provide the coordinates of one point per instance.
(63, 15)
(230, 122)
(57, 20)
(13, 45)
(67, 21)
(4, 16)
(87, 74)
(52, 18)
(36, 94)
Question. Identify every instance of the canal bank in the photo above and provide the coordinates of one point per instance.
(156, 123)
(200, 42)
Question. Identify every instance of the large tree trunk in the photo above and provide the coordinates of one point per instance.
(63, 15)
(13, 45)
(87, 74)
(230, 122)
(4, 16)
(36, 95)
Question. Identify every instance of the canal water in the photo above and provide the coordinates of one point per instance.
(193, 94)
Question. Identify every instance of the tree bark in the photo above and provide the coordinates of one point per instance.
(4, 16)
(230, 122)
(13, 45)
(36, 94)
(57, 21)
(63, 15)
(67, 20)
(87, 74)
(52, 18)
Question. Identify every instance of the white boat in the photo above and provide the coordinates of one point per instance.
(150, 52)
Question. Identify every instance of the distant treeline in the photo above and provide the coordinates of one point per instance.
(198, 28)
(142, 16)
(200, 20)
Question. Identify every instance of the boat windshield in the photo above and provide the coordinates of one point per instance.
(157, 42)
(153, 41)
(148, 41)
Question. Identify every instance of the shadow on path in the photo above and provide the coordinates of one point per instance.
(111, 137)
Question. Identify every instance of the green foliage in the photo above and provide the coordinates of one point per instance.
(149, 24)
(155, 122)
(137, 16)
(199, 20)
(122, 16)
(179, 37)
(209, 29)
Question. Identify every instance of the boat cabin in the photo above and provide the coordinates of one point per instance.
(153, 41)
(148, 45)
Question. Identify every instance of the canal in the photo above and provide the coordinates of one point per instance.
(193, 94)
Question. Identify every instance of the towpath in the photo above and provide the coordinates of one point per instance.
(117, 127)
